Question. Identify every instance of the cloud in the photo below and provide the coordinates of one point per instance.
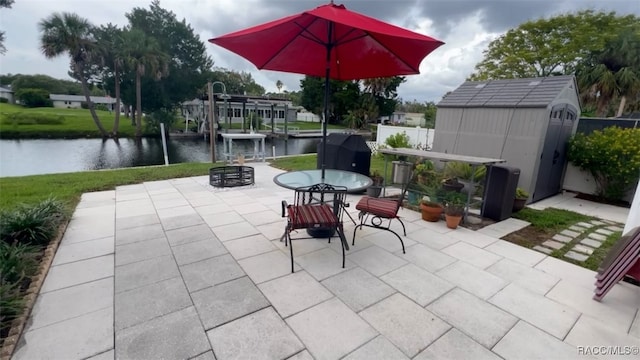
(466, 26)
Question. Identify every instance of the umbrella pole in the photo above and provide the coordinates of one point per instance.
(327, 93)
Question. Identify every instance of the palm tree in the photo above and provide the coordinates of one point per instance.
(110, 43)
(143, 55)
(279, 85)
(612, 73)
(69, 33)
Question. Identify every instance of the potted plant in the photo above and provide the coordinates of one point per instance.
(452, 184)
(376, 188)
(454, 209)
(521, 199)
(431, 210)
(424, 172)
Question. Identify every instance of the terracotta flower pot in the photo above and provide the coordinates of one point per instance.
(453, 220)
(431, 213)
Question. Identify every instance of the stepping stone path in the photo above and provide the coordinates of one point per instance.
(581, 246)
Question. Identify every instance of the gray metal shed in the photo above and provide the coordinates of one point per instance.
(524, 121)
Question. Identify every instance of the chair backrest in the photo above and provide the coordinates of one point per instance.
(405, 186)
(322, 194)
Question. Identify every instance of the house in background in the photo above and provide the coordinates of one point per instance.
(75, 101)
(7, 93)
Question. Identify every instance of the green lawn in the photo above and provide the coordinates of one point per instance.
(75, 123)
(308, 162)
(68, 187)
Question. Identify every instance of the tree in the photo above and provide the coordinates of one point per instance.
(612, 73)
(45, 82)
(279, 85)
(111, 43)
(69, 33)
(236, 82)
(4, 4)
(34, 98)
(551, 46)
(384, 91)
(344, 96)
(188, 60)
(142, 54)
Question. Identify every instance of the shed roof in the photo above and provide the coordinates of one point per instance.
(5, 90)
(529, 92)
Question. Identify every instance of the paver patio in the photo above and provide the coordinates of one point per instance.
(179, 269)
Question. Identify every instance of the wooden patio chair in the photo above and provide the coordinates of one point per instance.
(375, 211)
(316, 207)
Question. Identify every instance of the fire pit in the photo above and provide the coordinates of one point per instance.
(231, 176)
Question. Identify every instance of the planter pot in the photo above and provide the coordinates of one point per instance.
(518, 204)
(374, 191)
(453, 220)
(414, 197)
(452, 187)
(430, 213)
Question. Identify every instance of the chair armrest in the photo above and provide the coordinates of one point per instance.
(284, 206)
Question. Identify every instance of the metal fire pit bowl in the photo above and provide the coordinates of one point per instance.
(231, 176)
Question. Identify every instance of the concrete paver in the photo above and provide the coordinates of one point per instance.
(198, 301)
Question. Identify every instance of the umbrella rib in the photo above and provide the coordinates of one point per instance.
(303, 31)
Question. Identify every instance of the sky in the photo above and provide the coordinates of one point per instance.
(466, 27)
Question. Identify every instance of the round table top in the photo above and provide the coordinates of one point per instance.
(354, 182)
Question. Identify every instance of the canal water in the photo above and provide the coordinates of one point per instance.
(31, 157)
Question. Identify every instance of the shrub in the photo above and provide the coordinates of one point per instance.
(11, 303)
(35, 225)
(101, 107)
(34, 98)
(257, 122)
(84, 105)
(4, 100)
(26, 118)
(17, 261)
(612, 156)
(152, 122)
(464, 171)
(398, 140)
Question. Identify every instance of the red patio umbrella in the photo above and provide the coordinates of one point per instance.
(331, 42)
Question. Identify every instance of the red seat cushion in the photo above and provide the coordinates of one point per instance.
(311, 216)
(385, 208)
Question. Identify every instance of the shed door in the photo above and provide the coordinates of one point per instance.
(553, 157)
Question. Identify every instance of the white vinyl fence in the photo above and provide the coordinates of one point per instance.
(418, 137)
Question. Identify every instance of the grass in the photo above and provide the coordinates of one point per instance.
(76, 123)
(594, 261)
(68, 187)
(550, 220)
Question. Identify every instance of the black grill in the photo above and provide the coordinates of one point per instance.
(346, 152)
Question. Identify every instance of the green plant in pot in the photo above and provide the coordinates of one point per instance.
(465, 174)
(431, 210)
(376, 187)
(452, 184)
(520, 200)
(454, 209)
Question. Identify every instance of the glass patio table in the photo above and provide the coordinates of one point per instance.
(354, 182)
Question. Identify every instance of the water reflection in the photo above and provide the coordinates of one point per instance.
(29, 157)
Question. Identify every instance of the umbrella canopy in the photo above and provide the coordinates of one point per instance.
(331, 42)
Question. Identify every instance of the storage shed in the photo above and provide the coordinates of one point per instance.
(524, 121)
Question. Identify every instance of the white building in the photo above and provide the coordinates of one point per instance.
(6, 93)
(75, 101)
